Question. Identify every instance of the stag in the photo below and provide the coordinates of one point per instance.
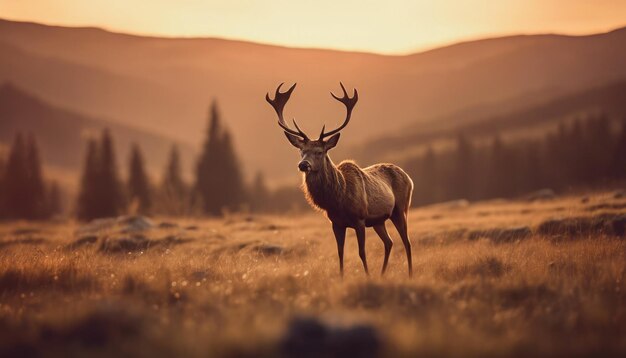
(350, 196)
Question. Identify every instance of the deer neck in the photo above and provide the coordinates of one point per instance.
(324, 187)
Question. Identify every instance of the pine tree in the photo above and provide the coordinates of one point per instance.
(172, 178)
(600, 144)
(499, 179)
(424, 171)
(23, 185)
(259, 194)
(100, 193)
(618, 162)
(35, 193)
(205, 184)
(218, 179)
(432, 188)
(88, 198)
(109, 192)
(138, 183)
(462, 178)
(15, 177)
(173, 189)
(232, 177)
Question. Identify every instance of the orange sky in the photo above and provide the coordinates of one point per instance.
(390, 26)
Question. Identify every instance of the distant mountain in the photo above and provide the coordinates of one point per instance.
(165, 84)
(61, 134)
(608, 99)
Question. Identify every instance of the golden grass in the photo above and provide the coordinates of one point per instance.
(232, 287)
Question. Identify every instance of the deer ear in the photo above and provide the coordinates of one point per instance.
(294, 140)
(332, 141)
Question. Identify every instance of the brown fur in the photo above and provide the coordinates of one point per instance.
(348, 189)
(354, 197)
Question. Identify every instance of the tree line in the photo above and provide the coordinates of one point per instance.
(24, 192)
(584, 153)
(218, 185)
(587, 152)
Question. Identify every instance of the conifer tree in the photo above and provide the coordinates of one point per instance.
(35, 191)
(24, 194)
(14, 179)
(138, 183)
(618, 162)
(499, 180)
(218, 178)
(205, 173)
(259, 194)
(88, 195)
(174, 198)
(100, 193)
(172, 178)
(462, 177)
(109, 191)
(232, 177)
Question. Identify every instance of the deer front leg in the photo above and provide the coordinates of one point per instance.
(360, 237)
(340, 236)
(381, 230)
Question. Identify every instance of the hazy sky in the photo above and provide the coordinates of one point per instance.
(387, 26)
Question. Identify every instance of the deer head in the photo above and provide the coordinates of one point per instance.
(312, 152)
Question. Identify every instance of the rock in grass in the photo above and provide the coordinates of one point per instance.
(543, 194)
(124, 244)
(603, 224)
(25, 231)
(134, 223)
(450, 205)
(82, 241)
(499, 235)
(167, 225)
(123, 224)
(269, 249)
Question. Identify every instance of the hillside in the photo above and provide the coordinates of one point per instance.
(608, 99)
(165, 84)
(61, 133)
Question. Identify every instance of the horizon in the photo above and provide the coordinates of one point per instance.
(403, 36)
(418, 51)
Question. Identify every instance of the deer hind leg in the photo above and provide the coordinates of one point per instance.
(340, 236)
(360, 237)
(399, 219)
(381, 230)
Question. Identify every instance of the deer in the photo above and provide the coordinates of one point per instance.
(349, 196)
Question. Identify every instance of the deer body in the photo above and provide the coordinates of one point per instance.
(351, 197)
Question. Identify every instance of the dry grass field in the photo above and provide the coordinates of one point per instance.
(499, 278)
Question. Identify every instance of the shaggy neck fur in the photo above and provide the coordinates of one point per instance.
(324, 188)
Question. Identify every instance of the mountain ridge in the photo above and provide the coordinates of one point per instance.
(166, 86)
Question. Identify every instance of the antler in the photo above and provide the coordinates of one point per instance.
(279, 101)
(349, 103)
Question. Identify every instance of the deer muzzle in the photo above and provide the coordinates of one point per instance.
(304, 166)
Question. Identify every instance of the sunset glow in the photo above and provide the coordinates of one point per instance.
(398, 26)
